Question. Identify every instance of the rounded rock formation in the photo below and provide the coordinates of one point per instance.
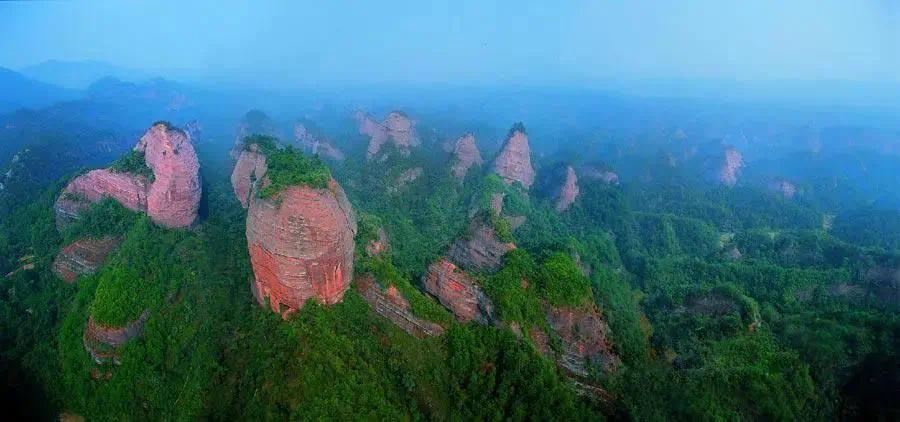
(301, 246)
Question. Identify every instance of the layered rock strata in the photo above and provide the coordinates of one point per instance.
(391, 304)
(480, 250)
(458, 292)
(83, 257)
(171, 200)
(301, 246)
(102, 342)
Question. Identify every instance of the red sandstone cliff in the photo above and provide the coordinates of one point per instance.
(584, 335)
(171, 200)
(250, 168)
(569, 191)
(397, 128)
(83, 257)
(466, 155)
(174, 196)
(391, 304)
(480, 250)
(458, 292)
(514, 162)
(301, 246)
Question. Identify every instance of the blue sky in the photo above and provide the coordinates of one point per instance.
(480, 42)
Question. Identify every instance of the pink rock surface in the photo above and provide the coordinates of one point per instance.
(129, 190)
(514, 162)
(391, 304)
(315, 145)
(731, 166)
(171, 200)
(458, 292)
(250, 167)
(569, 191)
(584, 335)
(376, 246)
(83, 257)
(396, 128)
(481, 250)
(174, 196)
(466, 155)
(301, 246)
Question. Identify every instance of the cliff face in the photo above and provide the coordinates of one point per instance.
(466, 155)
(600, 174)
(458, 292)
(250, 167)
(514, 162)
(127, 189)
(301, 246)
(174, 196)
(568, 192)
(481, 250)
(396, 128)
(584, 335)
(83, 257)
(171, 200)
(391, 304)
(731, 165)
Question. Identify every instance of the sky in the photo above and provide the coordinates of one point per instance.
(466, 42)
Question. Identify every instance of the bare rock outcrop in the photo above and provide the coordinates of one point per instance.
(378, 245)
(600, 174)
(584, 335)
(514, 162)
(466, 155)
(783, 187)
(391, 304)
(568, 192)
(83, 257)
(730, 167)
(101, 341)
(171, 200)
(481, 249)
(301, 246)
(397, 128)
(458, 292)
(313, 144)
(250, 168)
(127, 189)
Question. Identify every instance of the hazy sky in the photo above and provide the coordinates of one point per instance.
(460, 41)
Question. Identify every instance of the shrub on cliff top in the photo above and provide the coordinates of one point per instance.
(133, 163)
(288, 166)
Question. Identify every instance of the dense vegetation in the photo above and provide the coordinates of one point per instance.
(132, 162)
(288, 167)
(802, 325)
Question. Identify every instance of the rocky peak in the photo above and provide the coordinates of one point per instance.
(396, 128)
(171, 199)
(313, 144)
(466, 155)
(514, 162)
(568, 192)
(730, 166)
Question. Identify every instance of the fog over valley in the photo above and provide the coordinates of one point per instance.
(450, 211)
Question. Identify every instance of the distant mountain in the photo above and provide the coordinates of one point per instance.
(20, 91)
(78, 74)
